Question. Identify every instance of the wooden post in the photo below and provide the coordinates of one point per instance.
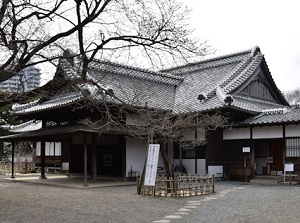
(175, 186)
(153, 191)
(13, 159)
(85, 159)
(43, 160)
(213, 182)
(94, 157)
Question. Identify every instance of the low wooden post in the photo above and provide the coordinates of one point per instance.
(213, 184)
(153, 191)
(175, 186)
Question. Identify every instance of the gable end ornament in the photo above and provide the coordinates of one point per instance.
(254, 51)
(225, 98)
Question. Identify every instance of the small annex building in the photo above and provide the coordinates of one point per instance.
(239, 86)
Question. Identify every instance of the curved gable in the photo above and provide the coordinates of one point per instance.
(258, 88)
(261, 86)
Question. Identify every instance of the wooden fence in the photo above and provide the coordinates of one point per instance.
(20, 167)
(180, 186)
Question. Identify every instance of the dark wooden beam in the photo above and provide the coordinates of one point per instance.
(43, 176)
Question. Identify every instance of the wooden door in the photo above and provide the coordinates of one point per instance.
(276, 151)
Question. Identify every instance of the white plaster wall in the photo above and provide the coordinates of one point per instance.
(134, 119)
(188, 134)
(292, 131)
(190, 165)
(201, 134)
(267, 132)
(136, 153)
(201, 166)
(240, 133)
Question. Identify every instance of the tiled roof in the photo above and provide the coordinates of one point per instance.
(217, 78)
(159, 77)
(124, 70)
(288, 115)
(138, 87)
(252, 104)
(49, 104)
(27, 126)
(176, 89)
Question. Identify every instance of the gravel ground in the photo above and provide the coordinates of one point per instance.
(232, 202)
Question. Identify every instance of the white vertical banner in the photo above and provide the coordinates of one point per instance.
(151, 166)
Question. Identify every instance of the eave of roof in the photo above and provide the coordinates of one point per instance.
(27, 126)
(287, 116)
(57, 131)
(47, 105)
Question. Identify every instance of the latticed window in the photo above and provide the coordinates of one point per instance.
(292, 147)
(51, 149)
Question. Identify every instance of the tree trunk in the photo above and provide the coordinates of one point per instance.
(166, 160)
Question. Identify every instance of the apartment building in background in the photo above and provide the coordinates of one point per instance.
(28, 79)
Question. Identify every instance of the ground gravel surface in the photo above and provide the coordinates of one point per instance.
(23, 202)
(232, 202)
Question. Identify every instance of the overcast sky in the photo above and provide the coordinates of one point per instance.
(236, 25)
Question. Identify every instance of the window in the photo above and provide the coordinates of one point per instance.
(51, 149)
(292, 147)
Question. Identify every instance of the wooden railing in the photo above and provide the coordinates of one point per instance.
(180, 186)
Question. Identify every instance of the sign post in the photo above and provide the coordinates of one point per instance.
(245, 151)
(151, 165)
(288, 167)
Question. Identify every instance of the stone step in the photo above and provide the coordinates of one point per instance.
(265, 181)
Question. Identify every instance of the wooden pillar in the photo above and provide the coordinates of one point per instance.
(123, 151)
(13, 160)
(43, 158)
(94, 157)
(85, 159)
(195, 153)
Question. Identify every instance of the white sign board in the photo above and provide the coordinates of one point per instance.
(246, 149)
(65, 166)
(289, 167)
(151, 166)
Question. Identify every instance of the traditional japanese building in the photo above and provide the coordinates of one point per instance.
(263, 131)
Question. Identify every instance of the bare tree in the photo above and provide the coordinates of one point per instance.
(160, 126)
(129, 31)
(37, 31)
(293, 97)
